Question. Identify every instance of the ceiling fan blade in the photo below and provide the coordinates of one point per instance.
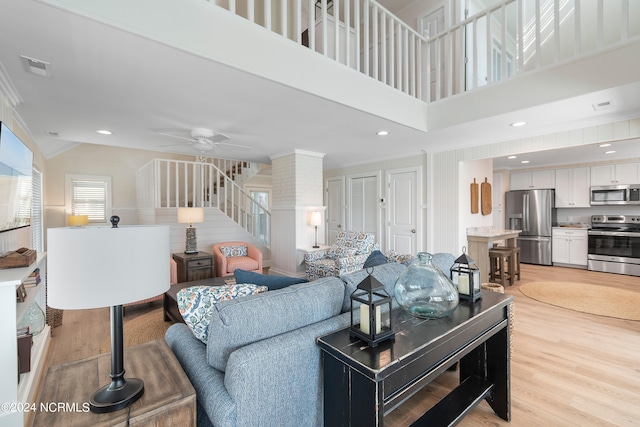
(232, 145)
(218, 137)
(177, 136)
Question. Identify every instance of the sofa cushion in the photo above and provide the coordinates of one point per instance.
(375, 258)
(236, 323)
(387, 274)
(235, 250)
(195, 303)
(242, 262)
(271, 282)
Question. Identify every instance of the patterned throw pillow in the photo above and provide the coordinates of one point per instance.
(338, 251)
(238, 250)
(195, 303)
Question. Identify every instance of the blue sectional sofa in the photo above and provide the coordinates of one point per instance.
(261, 365)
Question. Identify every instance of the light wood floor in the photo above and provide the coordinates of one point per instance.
(567, 368)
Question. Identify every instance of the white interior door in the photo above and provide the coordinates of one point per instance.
(335, 208)
(403, 204)
(363, 204)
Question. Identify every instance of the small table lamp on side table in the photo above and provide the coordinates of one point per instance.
(189, 216)
(92, 267)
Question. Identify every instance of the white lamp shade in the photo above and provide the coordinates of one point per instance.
(91, 267)
(316, 218)
(190, 215)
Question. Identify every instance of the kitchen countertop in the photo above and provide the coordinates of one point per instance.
(490, 232)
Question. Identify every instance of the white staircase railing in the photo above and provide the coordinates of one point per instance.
(373, 40)
(173, 183)
(508, 39)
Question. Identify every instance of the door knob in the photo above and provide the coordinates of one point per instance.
(339, 226)
(413, 230)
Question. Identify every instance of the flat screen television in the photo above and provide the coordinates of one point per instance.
(16, 164)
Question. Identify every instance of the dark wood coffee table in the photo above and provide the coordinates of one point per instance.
(170, 298)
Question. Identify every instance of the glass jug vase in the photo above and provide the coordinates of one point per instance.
(424, 291)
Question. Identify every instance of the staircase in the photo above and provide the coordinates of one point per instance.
(207, 183)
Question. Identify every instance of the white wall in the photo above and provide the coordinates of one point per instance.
(468, 171)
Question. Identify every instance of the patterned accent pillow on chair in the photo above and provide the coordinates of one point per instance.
(195, 303)
(231, 251)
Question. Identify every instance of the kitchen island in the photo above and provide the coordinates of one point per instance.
(479, 239)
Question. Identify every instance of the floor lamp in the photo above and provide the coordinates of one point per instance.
(92, 267)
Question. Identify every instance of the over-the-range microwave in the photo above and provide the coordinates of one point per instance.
(615, 195)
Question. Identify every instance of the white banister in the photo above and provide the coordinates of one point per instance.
(208, 184)
(364, 35)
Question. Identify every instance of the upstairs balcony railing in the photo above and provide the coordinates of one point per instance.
(508, 39)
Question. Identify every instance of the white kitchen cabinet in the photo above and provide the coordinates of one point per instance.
(569, 247)
(572, 188)
(533, 180)
(11, 312)
(622, 173)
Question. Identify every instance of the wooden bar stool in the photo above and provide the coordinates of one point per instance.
(499, 263)
(514, 261)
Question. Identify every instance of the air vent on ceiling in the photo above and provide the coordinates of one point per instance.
(602, 105)
(36, 66)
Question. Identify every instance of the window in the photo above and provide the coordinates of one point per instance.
(89, 195)
(36, 211)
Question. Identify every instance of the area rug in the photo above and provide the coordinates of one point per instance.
(592, 299)
(146, 327)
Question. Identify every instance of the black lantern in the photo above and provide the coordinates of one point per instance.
(465, 275)
(372, 323)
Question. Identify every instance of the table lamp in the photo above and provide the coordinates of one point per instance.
(189, 216)
(316, 220)
(92, 267)
(77, 220)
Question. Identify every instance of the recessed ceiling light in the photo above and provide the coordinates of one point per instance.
(104, 132)
(604, 145)
(512, 157)
(524, 161)
(382, 133)
(610, 152)
(518, 124)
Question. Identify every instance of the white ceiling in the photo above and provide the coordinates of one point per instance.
(102, 77)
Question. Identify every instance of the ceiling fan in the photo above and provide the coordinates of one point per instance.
(204, 139)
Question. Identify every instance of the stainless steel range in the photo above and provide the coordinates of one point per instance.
(614, 244)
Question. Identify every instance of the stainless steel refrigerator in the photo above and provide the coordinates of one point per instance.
(533, 212)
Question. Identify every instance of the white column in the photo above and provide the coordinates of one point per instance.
(296, 191)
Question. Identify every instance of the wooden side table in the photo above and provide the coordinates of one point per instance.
(168, 400)
(198, 266)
